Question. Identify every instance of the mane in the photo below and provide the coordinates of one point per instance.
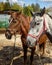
(37, 13)
(49, 15)
(26, 18)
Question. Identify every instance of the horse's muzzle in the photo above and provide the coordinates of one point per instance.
(8, 34)
(29, 44)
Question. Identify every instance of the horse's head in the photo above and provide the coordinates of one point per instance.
(18, 23)
(14, 25)
(36, 27)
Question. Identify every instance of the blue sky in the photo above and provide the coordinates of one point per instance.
(42, 3)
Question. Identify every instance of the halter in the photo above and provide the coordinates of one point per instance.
(41, 31)
(17, 19)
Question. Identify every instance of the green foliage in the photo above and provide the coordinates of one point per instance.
(30, 8)
(1, 6)
(47, 10)
(35, 7)
(15, 6)
(25, 9)
(7, 6)
(3, 24)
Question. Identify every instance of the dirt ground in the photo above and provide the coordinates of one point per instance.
(14, 56)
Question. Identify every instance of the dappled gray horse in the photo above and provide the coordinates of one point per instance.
(40, 24)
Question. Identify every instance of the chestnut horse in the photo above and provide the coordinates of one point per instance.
(20, 24)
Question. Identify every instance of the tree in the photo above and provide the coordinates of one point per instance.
(26, 11)
(7, 5)
(30, 8)
(36, 7)
(33, 6)
(15, 6)
(1, 6)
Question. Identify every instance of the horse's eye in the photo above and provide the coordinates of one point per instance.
(14, 21)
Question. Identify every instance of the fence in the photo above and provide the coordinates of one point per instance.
(4, 20)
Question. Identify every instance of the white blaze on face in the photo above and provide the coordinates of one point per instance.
(11, 20)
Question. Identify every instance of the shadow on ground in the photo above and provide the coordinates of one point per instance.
(8, 53)
(36, 61)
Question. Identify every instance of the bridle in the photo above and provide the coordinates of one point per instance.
(19, 22)
(41, 31)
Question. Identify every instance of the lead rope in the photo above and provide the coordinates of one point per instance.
(13, 48)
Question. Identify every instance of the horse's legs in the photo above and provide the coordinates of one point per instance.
(42, 46)
(32, 54)
(25, 54)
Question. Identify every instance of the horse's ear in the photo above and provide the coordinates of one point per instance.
(10, 12)
(31, 13)
(18, 13)
(43, 11)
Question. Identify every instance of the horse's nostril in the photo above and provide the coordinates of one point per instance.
(38, 23)
(29, 42)
(8, 34)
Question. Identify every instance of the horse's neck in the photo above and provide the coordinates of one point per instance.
(49, 36)
(24, 25)
(48, 22)
(50, 15)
